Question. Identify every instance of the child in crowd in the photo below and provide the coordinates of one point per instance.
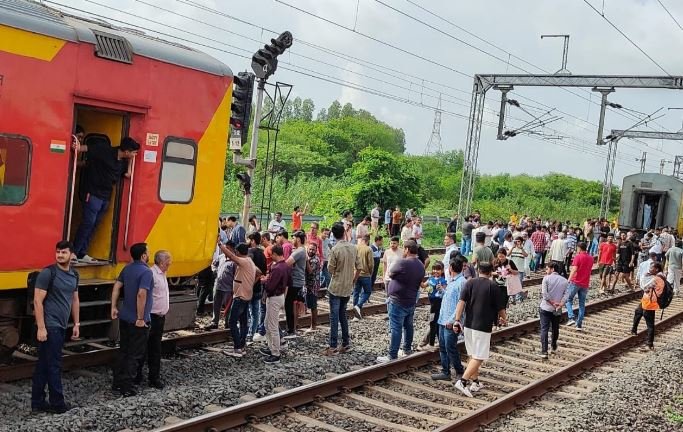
(435, 286)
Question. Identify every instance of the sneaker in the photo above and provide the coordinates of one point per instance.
(330, 352)
(632, 333)
(87, 259)
(291, 336)
(234, 353)
(543, 355)
(265, 351)
(271, 359)
(476, 386)
(383, 359)
(128, 393)
(401, 354)
(460, 385)
(646, 348)
(553, 350)
(571, 322)
(212, 326)
(359, 312)
(441, 377)
(60, 409)
(354, 319)
(258, 337)
(578, 329)
(345, 349)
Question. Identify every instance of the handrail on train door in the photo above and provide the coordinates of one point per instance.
(73, 183)
(130, 197)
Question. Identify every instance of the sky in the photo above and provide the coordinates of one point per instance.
(395, 58)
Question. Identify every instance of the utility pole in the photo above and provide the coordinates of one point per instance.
(246, 208)
(434, 143)
(661, 165)
(642, 160)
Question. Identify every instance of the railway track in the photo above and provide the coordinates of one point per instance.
(82, 354)
(400, 396)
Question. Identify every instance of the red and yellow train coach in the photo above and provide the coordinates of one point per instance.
(59, 71)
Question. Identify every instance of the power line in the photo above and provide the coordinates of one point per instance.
(670, 14)
(626, 37)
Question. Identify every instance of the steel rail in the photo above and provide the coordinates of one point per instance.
(249, 412)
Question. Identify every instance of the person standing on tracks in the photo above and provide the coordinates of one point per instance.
(297, 261)
(406, 276)
(396, 217)
(282, 238)
(387, 220)
(558, 252)
(467, 228)
(277, 224)
(607, 252)
(481, 252)
(160, 307)
(483, 304)
(648, 304)
(342, 265)
(554, 294)
(391, 255)
(363, 228)
(374, 216)
(362, 288)
(236, 232)
(539, 241)
(448, 340)
(259, 258)
(222, 290)
(674, 264)
(626, 261)
(325, 256)
(312, 283)
(104, 168)
(579, 282)
(276, 284)
(55, 298)
(377, 252)
(406, 231)
(246, 275)
(449, 243)
(137, 282)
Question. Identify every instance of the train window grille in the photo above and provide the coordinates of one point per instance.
(113, 47)
(178, 168)
(15, 161)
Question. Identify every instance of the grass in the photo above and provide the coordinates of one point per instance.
(675, 413)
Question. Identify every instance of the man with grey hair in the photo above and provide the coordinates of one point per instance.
(558, 252)
(160, 306)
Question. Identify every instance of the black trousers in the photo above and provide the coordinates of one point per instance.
(205, 281)
(375, 268)
(649, 316)
(548, 320)
(292, 293)
(434, 310)
(132, 347)
(156, 331)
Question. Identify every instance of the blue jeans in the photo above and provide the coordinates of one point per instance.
(582, 293)
(466, 246)
(400, 322)
(337, 317)
(238, 315)
(324, 276)
(362, 291)
(49, 370)
(93, 210)
(255, 309)
(448, 350)
(594, 246)
(538, 259)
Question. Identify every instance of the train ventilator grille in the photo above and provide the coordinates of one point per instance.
(113, 47)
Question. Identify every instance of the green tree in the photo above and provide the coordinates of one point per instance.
(347, 111)
(307, 108)
(322, 115)
(334, 111)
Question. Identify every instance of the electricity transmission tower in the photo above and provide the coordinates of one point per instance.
(434, 143)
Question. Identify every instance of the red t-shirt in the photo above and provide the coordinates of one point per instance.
(296, 221)
(584, 264)
(608, 252)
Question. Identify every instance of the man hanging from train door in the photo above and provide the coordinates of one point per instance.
(103, 169)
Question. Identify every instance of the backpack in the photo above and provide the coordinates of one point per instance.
(664, 300)
(31, 284)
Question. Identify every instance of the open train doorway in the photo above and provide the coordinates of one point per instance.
(91, 220)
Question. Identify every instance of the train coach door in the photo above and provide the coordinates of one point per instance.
(93, 221)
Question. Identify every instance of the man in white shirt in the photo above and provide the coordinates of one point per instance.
(374, 215)
(277, 224)
(643, 275)
(488, 232)
(407, 231)
(160, 306)
(417, 230)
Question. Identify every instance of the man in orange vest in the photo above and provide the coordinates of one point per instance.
(648, 304)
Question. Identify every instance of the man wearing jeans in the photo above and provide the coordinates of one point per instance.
(448, 340)
(242, 291)
(406, 276)
(554, 294)
(579, 282)
(363, 286)
(467, 228)
(342, 265)
(539, 241)
(104, 167)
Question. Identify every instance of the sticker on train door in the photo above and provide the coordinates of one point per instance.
(150, 156)
(57, 146)
(152, 140)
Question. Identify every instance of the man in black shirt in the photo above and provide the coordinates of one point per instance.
(483, 304)
(626, 261)
(259, 257)
(103, 169)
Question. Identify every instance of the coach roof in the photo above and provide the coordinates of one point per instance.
(37, 18)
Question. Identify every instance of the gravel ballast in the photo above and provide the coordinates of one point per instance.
(198, 381)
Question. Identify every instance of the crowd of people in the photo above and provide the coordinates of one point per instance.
(255, 275)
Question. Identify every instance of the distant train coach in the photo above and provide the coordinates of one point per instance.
(650, 200)
(59, 71)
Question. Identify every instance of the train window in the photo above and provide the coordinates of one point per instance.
(176, 184)
(15, 156)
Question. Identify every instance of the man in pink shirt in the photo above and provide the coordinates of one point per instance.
(160, 306)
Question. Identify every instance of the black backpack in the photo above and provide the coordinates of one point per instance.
(664, 300)
(31, 284)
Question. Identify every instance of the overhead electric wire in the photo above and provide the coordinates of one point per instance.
(626, 37)
(312, 75)
(670, 14)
